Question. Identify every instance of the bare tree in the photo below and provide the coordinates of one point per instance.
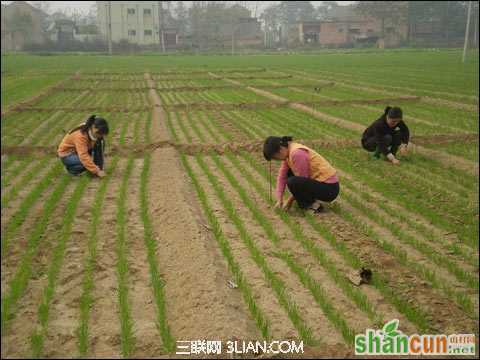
(45, 6)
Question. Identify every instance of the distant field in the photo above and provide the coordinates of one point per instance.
(127, 265)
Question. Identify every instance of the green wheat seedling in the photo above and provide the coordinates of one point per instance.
(451, 248)
(54, 268)
(275, 282)
(402, 256)
(353, 293)
(321, 298)
(148, 128)
(415, 315)
(86, 299)
(26, 205)
(261, 320)
(22, 276)
(13, 173)
(24, 181)
(431, 253)
(170, 126)
(409, 200)
(7, 163)
(126, 334)
(180, 121)
(207, 125)
(155, 278)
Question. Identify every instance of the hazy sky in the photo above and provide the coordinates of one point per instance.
(83, 6)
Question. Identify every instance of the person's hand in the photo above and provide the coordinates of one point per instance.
(101, 174)
(287, 206)
(289, 203)
(403, 150)
(278, 204)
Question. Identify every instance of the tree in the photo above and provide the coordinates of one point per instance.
(271, 18)
(394, 12)
(448, 16)
(91, 16)
(194, 14)
(45, 6)
(295, 11)
(322, 11)
(181, 17)
(214, 21)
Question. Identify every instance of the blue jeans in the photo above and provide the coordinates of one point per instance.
(73, 164)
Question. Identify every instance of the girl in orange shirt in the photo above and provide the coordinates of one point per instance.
(82, 148)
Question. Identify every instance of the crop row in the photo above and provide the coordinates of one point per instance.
(67, 195)
(458, 297)
(458, 194)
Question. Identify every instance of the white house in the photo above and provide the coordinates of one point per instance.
(137, 22)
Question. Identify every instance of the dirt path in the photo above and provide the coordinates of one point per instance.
(159, 127)
(199, 304)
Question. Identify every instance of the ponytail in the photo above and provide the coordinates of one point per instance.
(285, 140)
(100, 123)
(392, 112)
(88, 124)
(272, 145)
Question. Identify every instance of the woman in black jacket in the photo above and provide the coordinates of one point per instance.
(387, 135)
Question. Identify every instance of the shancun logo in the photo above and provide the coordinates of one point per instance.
(391, 341)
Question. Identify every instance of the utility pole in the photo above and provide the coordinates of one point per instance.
(467, 29)
(234, 28)
(109, 27)
(475, 28)
(233, 39)
(160, 25)
(447, 25)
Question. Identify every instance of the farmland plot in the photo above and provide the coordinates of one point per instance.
(180, 241)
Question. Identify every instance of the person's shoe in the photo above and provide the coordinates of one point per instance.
(317, 207)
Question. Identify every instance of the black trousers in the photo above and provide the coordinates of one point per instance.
(370, 144)
(306, 190)
(97, 153)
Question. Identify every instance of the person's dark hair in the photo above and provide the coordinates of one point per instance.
(272, 145)
(393, 112)
(100, 123)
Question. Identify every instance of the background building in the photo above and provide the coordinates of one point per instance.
(345, 27)
(22, 24)
(138, 22)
